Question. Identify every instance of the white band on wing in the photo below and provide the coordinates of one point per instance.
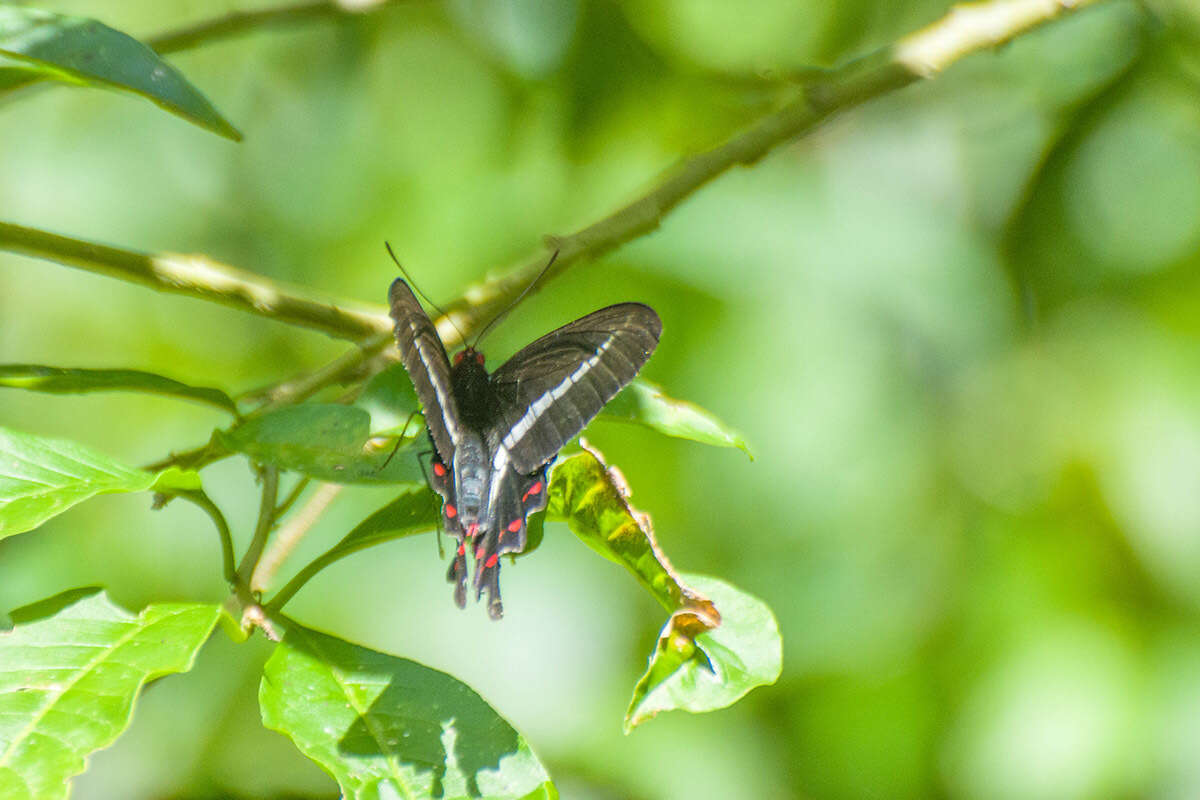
(539, 406)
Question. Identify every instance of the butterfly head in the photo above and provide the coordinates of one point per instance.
(468, 354)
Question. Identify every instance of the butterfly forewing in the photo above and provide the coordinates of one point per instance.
(550, 390)
(425, 360)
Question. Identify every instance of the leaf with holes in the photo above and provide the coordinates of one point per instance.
(594, 502)
(73, 666)
(85, 52)
(41, 478)
(645, 403)
(57, 380)
(384, 726)
(702, 670)
(327, 441)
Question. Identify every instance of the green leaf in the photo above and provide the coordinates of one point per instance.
(391, 401)
(41, 478)
(85, 52)
(700, 670)
(644, 403)
(594, 503)
(410, 513)
(73, 666)
(78, 381)
(384, 726)
(326, 441)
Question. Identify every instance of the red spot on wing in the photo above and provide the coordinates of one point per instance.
(515, 525)
(491, 562)
(462, 549)
(451, 511)
(438, 469)
(532, 490)
(479, 552)
(472, 529)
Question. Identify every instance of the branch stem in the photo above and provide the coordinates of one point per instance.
(202, 500)
(291, 534)
(201, 277)
(266, 523)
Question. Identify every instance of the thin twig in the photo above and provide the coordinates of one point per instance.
(201, 499)
(266, 523)
(921, 55)
(301, 387)
(292, 497)
(201, 277)
(289, 536)
(241, 22)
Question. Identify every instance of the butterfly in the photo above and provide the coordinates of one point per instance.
(495, 435)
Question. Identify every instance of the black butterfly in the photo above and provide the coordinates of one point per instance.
(494, 436)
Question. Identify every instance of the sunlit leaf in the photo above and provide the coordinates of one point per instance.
(73, 666)
(327, 441)
(384, 726)
(41, 478)
(698, 670)
(78, 381)
(593, 501)
(646, 404)
(88, 53)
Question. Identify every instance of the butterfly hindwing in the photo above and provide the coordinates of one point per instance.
(442, 481)
(551, 389)
(515, 498)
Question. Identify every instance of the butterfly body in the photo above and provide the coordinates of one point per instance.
(495, 435)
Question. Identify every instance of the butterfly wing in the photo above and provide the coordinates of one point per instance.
(515, 497)
(425, 359)
(550, 390)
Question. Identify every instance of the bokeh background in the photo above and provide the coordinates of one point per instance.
(959, 327)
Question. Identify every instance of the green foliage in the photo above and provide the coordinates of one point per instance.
(646, 404)
(958, 325)
(712, 669)
(73, 667)
(321, 440)
(41, 478)
(384, 726)
(88, 53)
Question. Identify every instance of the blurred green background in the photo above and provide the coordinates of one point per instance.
(959, 326)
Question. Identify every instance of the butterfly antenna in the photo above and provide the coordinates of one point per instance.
(424, 296)
(517, 300)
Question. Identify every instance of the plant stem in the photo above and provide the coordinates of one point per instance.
(290, 535)
(266, 523)
(202, 500)
(921, 55)
(292, 497)
(966, 29)
(200, 277)
(240, 22)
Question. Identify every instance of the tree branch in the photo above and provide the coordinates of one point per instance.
(200, 277)
(240, 22)
(965, 30)
(921, 55)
